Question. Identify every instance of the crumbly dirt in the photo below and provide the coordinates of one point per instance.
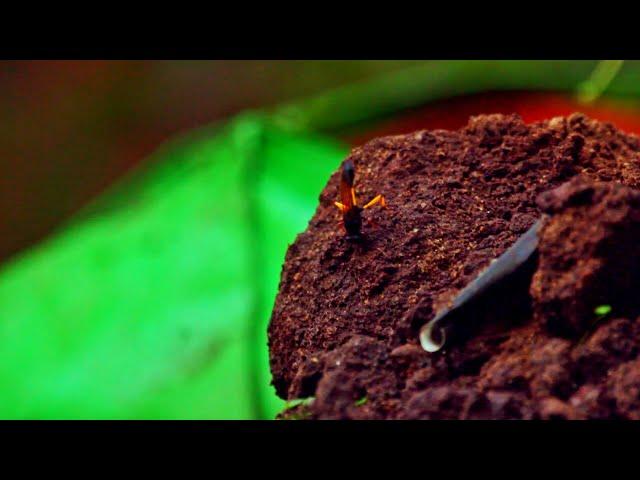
(344, 328)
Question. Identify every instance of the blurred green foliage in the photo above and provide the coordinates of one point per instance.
(427, 81)
(154, 304)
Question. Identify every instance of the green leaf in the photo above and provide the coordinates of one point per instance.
(360, 401)
(154, 302)
(602, 310)
(298, 401)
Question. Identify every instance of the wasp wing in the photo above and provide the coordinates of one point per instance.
(347, 195)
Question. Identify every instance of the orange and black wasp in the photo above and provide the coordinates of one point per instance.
(351, 212)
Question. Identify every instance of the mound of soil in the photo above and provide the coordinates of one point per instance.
(344, 328)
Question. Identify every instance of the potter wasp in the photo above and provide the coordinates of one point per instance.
(351, 211)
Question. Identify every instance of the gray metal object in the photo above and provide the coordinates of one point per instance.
(434, 334)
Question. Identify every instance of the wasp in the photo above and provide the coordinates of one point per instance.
(351, 211)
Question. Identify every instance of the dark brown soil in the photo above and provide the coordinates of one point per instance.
(345, 324)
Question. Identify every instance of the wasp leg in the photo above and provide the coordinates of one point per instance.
(353, 196)
(339, 205)
(377, 199)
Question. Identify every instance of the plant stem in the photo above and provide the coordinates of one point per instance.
(601, 77)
